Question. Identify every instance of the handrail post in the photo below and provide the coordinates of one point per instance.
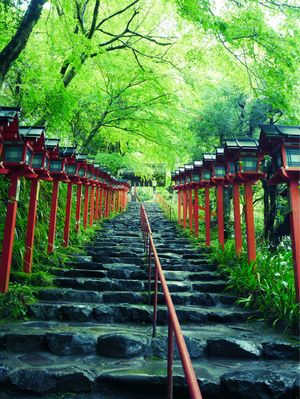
(170, 358)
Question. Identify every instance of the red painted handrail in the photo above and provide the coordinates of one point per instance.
(173, 323)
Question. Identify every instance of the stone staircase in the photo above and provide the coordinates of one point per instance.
(90, 337)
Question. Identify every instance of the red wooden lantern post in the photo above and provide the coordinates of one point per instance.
(195, 183)
(283, 144)
(82, 170)
(230, 179)
(17, 159)
(188, 176)
(247, 157)
(97, 176)
(40, 165)
(183, 189)
(87, 184)
(208, 160)
(57, 172)
(72, 173)
(218, 178)
(176, 179)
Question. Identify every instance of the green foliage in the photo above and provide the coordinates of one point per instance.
(39, 278)
(267, 284)
(13, 305)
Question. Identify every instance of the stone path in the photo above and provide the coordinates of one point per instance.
(91, 337)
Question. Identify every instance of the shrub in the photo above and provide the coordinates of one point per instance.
(267, 284)
(13, 305)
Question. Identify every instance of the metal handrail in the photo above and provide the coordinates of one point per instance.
(166, 207)
(174, 328)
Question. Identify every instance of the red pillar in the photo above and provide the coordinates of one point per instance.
(106, 203)
(100, 202)
(9, 232)
(86, 207)
(184, 207)
(68, 215)
(96, 213)
(237, 218)
(207, 217)
(29, 241)
(220, 214)
(191, 210)
(53, 216)
(196, 212)
(295, 232)
(78, 207)
(179, 206)
(250, 229)
(113, 200)
(92, 205)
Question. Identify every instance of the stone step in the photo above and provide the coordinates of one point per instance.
(179, 298)
(38, 375)
(134, 313)
(135, 260)
(104, 284)
(128, 341)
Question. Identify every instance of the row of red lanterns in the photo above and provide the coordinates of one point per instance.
(25, 152)
(241, 162)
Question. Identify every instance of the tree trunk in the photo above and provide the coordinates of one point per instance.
(18, 42)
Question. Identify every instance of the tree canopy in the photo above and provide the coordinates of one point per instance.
(144, 82)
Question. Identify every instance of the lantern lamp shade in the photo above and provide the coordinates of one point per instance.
(247, 163)
(56, 165)
(81, 171)
(219, 171)
(18, 153)
(206, 174)
(196, 176)
(71, 170)
(89, 174)
(38, 160)
(292, 157)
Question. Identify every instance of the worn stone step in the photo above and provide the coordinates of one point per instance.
(134, 313)
(77, 272)
(209, 286)
(104, 284)
(136, 260)
(179, 298)
(128, 341)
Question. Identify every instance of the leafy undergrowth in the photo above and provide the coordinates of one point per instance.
(266, 285)
(13, 305)
(23, 287)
